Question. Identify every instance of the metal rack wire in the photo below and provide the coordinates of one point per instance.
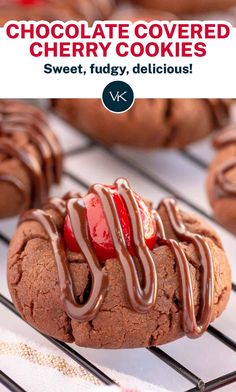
(198, 383)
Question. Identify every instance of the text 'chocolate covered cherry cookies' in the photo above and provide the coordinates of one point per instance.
(30, 157)
(131, 277)
(221, 181)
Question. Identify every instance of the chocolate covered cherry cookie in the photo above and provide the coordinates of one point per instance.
(107, 271)
(30, 157)
(221, 181)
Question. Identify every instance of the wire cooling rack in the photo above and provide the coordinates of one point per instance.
(206, 364)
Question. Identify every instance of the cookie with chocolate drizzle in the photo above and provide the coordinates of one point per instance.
(30, 157)
(221, 181)
(107, 271)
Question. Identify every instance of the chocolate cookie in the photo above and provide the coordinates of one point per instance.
(221, 181)
(185, 6)
(30, 157)
(150, 123)
(107, 271)
(51, 10)
(134, 13)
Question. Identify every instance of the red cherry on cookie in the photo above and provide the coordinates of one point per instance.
(99, 231)
(28, 2)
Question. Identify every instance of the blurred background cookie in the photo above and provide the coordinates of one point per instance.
(30, 157)
(180, 7)
(221, 181)
(150, 123)
(50, 10)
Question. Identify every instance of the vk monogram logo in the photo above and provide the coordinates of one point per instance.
(118, 97)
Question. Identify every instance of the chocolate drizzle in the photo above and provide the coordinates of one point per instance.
(142, 296)
(220, 110)
(18, 185)
(193, 328)
(225, 187)
(227, 136)
(22, 118)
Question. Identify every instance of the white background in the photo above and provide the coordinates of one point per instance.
(22, 76)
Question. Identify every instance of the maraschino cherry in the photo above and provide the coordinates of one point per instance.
(99, 231)
(28, 2)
